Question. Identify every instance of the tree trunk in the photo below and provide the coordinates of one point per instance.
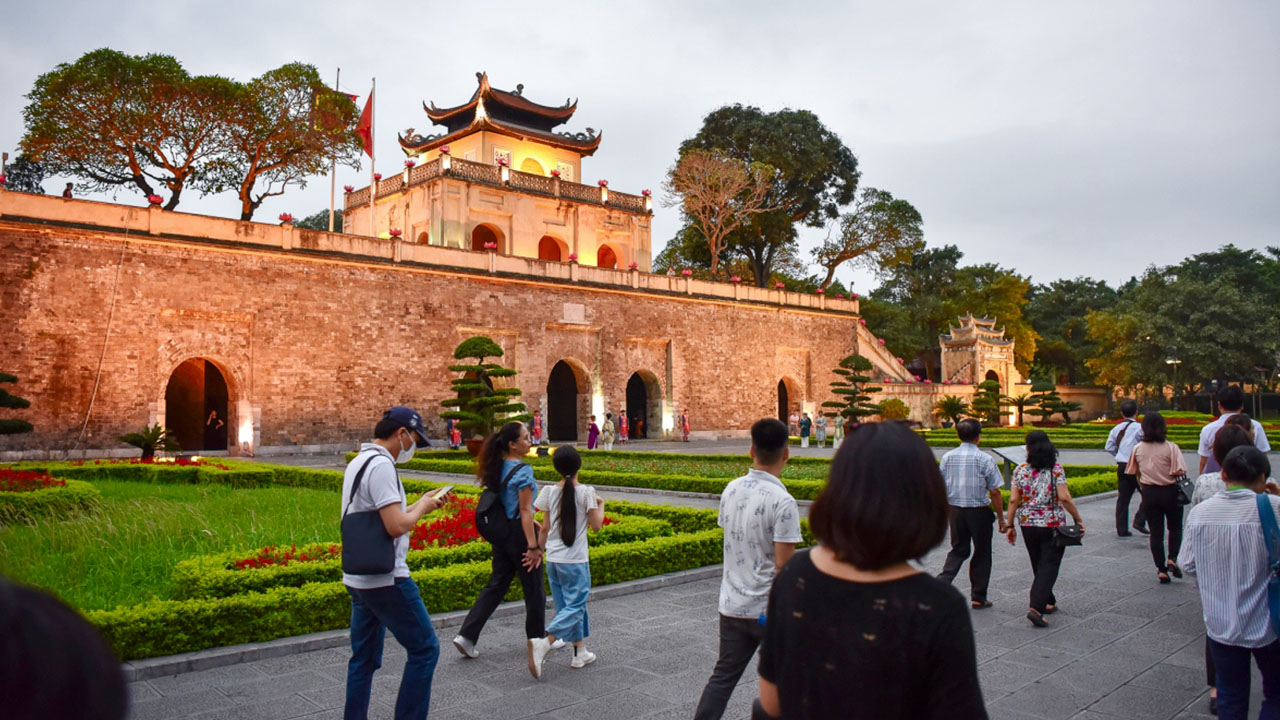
(831, 273)
(175, 194)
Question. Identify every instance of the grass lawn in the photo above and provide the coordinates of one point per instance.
(125, 554)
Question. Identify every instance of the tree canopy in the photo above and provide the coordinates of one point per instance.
(881, 231)
(22, 175)
(718, 194)
(1057, 312)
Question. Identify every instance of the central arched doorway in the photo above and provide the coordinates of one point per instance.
(606, 257)
(550, 248)
(485, 234)
(568, 403)
(644, 406)
(196, 405)
(784, 402)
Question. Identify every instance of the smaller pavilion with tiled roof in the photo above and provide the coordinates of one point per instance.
(976, 351)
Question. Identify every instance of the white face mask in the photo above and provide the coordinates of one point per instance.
(406, 455)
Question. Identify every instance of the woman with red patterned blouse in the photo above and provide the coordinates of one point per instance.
(1040, 501)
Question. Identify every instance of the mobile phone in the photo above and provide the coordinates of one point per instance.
(442, 492)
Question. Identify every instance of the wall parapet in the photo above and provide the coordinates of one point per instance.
(285, 236)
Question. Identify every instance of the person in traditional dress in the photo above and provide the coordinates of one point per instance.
(793, 425)
(607, 432)
(593, 434)
(684, 424)
(806, 424)
(535, 427)
(624, 427)
(820, 430)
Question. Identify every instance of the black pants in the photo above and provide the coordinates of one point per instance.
(739, 639)
(1046, 558)
(971, 525)
(506, 567)
(1161, 507)
(1127, 485)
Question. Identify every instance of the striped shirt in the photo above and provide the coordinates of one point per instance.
(1122, 439)
(1223, 547)
(970, 475)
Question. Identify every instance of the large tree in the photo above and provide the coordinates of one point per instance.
(320, 221)
(114, 120)
(287, 126)
(816, 174)
(881, 231)
(1057, 312)
(718, 194)
(22, 175)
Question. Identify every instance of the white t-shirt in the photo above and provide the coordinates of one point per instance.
(755, 512)
(548, 501)
(379, 488)
(1210, 431)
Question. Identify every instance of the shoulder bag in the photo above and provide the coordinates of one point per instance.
(1186, 487)
(1064, 535)
(1271, 535)
(367, 547)
(492, 522)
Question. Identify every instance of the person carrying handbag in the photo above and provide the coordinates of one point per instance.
(376, 521)
(1159, 466)
(1230, 547)
(1038, 495)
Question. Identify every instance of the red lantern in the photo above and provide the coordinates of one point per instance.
(555, 173)
(286, 218)
(735, 279)
(602, 183)
(409, 163)
(377, 177)
(780, 285)
(154, 199)
(444, 149)
(573, 257)
(349, 188)
(686, 272)
(646, 192)
(394, 233)
(820, 291)
(633, 266)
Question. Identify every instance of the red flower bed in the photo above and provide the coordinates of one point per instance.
(456, 527)
(176, 462)
(27, 480)
(271, 555)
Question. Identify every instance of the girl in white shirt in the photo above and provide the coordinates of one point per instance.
(570, 509)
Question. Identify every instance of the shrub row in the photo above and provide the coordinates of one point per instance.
(166, 627)
(212, 576)
(74, 498)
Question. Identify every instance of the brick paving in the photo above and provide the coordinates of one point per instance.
(1121, 646)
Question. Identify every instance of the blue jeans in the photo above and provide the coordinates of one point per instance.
(1231, 664)
(570, 585)
(397, 607)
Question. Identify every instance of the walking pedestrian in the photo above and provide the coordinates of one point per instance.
(593, 434)
(820, 430)
(1040, 500)
(684, 424)
(502, 470)
(793, 425)
(1120, 443)
(1230, 437)
(1226, 550)
(607, 432)
(973, 486)
(1230, 402)
(761, 528)
(1158, 462)
(806, 424)
(570, 509)
(853, 630)
(389, 600)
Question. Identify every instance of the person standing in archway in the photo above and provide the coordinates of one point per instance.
(623, 427)
(593, 434)
(806, 425)
(607, 432)
(684, 424)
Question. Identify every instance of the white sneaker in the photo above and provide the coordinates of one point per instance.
(582, 657)
(538, 649)
(466, 647)
(557, 644)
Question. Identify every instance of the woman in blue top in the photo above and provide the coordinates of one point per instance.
(501, 462)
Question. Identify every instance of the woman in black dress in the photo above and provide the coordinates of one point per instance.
(853, 630)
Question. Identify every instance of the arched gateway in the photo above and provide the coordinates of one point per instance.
(196, 406)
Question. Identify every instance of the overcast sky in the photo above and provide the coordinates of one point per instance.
(1058, 139)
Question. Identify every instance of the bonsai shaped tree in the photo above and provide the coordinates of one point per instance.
(1044, 399)
(1021, 402)
(894, 409)
(151, 437)
(854, 390)
(950, 408)
(8, 400)
(1066, 407)
(988, 402)
(479, 406)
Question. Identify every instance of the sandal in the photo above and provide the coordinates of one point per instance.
(1050, 609)
(980, 604)
(1164, 578)
(1175, 570)
(1036, 618)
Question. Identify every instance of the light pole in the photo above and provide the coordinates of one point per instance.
(1175, 362)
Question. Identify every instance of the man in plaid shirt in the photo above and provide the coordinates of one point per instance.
(973, 485)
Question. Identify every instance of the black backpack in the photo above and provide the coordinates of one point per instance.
(491, 517)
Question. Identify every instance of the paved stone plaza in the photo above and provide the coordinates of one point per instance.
(1121, 646)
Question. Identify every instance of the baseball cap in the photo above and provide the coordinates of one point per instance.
(410, 420)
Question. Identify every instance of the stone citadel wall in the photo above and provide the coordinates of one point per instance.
(316, 333)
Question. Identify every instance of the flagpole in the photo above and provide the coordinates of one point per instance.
(373, 157)
(333, 162)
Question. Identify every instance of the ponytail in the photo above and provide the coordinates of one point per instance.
(493, 452)
(569, 512)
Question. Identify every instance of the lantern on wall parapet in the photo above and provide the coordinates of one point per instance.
(634, 266)
(395, 232)
(286, 219)
(377, 177)
(819, 291)
(573, 257)
(735, 279)
(686, 272)
(155, 200)
(490, 245)
(862, 321)
(604, 191)
(446, 160)
(349, 188)
(780, 285)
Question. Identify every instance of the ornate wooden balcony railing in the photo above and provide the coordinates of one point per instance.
(493, 175)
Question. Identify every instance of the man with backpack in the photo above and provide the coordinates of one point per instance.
(504, 517)
(376, 521)
(1120, 443)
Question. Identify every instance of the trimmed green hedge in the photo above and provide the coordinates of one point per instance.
(167, 627)
(60, 502)
(212, 576)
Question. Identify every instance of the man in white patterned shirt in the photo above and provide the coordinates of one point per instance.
(1224, 547)
(761, 528)
(973, 485)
